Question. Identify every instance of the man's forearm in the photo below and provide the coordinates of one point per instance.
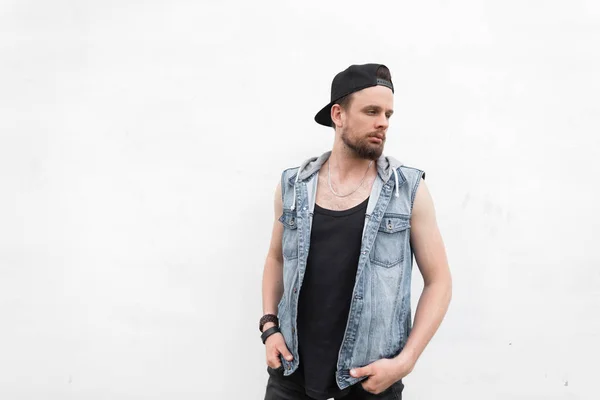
(430, 312)
(272, 285)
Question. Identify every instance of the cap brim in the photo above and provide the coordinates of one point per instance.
(323, 117)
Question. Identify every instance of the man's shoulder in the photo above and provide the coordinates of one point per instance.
(288, 175)
(289, 172)
(412, 172)
(388, 160)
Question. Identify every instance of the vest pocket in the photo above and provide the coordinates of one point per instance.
(290, 235)
(391, 240)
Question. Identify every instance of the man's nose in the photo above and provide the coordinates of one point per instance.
(382, 121)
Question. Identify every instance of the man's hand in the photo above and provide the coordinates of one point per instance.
(275, 346)
(382, 374)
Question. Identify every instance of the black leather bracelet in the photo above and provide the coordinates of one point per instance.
(269, 332)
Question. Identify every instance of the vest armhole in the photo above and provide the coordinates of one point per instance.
(282, 187)
(420, 175)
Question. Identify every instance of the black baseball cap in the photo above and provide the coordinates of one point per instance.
(350, 80)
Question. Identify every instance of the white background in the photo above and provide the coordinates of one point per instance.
(141, 142)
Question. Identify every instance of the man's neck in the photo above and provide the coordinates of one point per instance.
(346, 165)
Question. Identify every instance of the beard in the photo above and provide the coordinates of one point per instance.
(362, 147)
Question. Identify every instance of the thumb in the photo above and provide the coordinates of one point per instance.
(359, 372)
(285, 352)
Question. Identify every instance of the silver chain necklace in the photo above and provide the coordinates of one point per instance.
(345, 195)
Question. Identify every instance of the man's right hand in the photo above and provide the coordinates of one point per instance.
(275, 346)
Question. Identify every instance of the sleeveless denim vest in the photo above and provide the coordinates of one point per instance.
(379, 320)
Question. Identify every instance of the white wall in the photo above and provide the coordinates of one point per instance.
(140, 144)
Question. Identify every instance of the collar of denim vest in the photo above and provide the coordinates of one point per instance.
(385, 167)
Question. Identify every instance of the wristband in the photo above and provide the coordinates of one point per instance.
(268, 333)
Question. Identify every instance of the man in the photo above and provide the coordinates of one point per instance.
(336, 282)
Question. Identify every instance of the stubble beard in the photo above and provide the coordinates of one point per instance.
(361, 147)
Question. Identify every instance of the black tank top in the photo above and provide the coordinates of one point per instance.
(326, 293)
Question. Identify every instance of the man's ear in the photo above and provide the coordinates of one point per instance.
(336, 115)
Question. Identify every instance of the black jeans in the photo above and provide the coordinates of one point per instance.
(280, 387)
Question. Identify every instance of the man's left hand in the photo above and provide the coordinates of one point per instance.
(381, 374)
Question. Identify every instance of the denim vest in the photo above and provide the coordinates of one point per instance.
(379, 320)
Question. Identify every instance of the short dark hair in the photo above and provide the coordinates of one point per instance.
(382, 73)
